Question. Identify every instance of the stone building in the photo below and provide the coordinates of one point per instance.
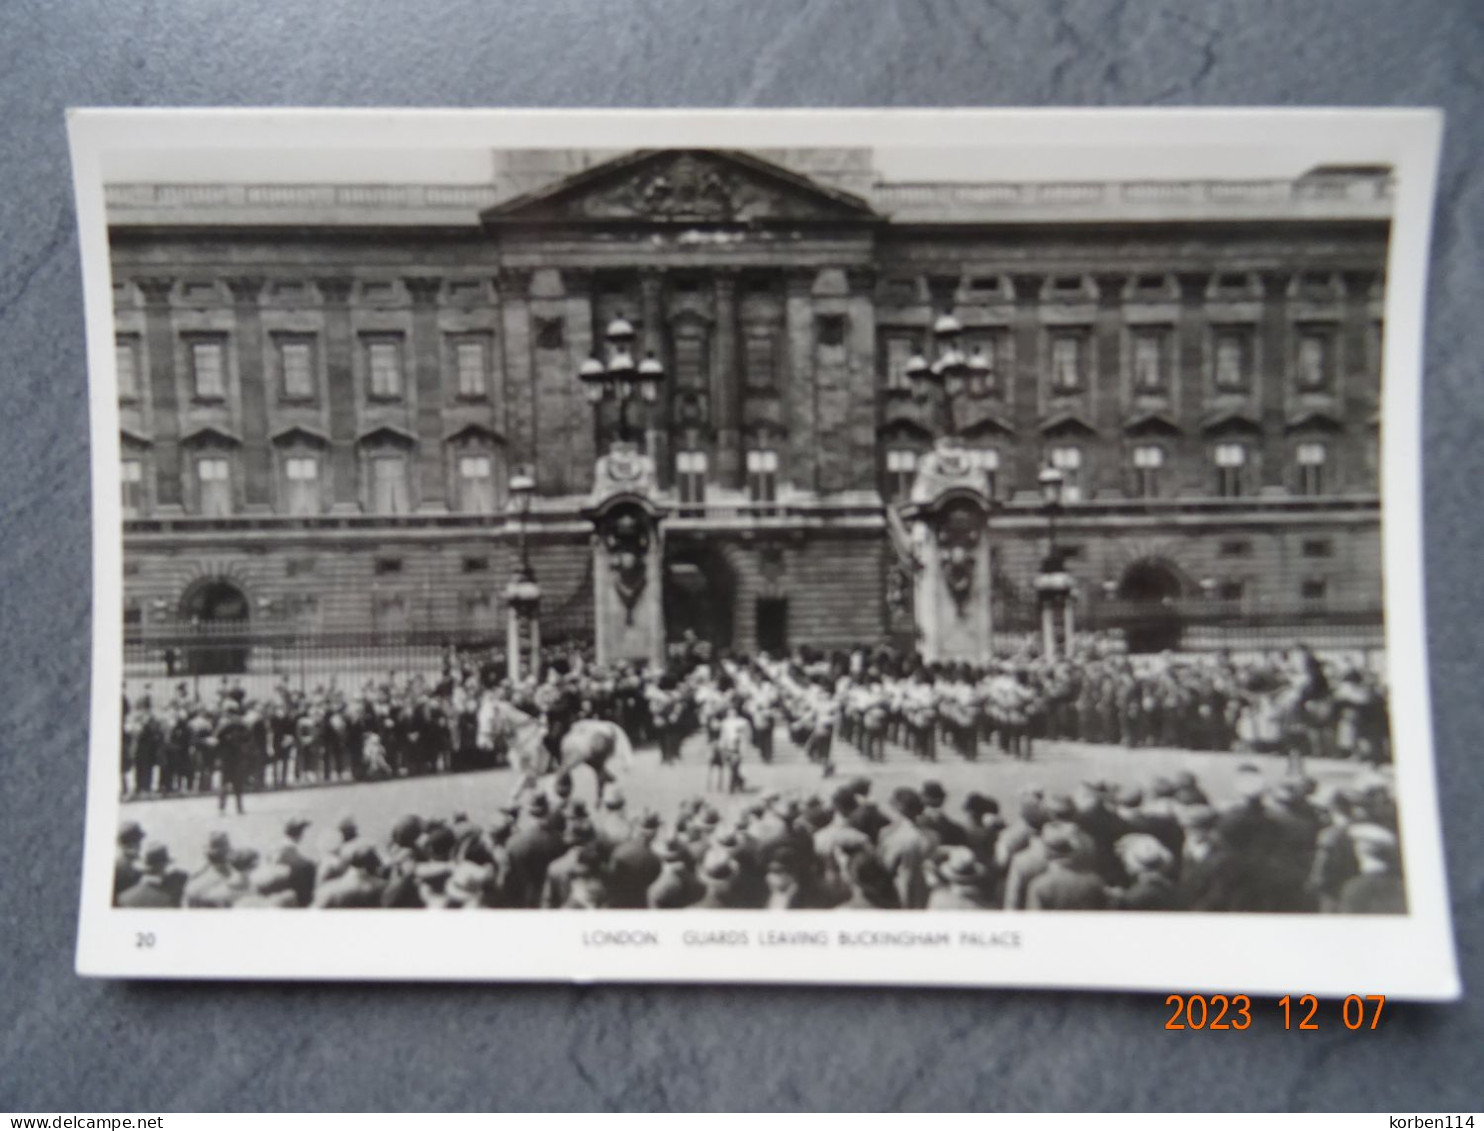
(324, 390)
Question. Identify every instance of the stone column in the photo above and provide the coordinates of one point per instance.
(798, 385)
(1270, 374)
(427, 370)
(581, 335)
(253, 373)
(860, 419)
(519, 391)
(1188, 376)
(1026, 334)
(340, 369)
(1356, 389)
(1101, 459)
(164, 401)
(652, 340)
(726, 385)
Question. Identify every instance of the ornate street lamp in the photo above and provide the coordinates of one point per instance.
(951, 372)
(618, 377)
(522, 594)
(1053, 583)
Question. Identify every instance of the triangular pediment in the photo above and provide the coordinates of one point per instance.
(1229, 422)
(301, 434)
(986, 425)
(1067, 424)
(904, 430)
(210, 434)
(684, 186)
(1314, 420)
(131, 439)
(474, 433)
(387, 434)
(1150, 424)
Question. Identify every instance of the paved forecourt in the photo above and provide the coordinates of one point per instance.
(184, 823)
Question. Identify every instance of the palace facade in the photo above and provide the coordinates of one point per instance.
(324, 391)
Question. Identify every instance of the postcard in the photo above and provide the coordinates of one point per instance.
(991, 538)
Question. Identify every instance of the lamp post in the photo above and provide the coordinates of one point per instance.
(1053, 582)
(522, 594)
(616, 376)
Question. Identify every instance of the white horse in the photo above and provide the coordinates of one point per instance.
(589, 742)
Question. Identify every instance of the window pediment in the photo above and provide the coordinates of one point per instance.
(210, 435)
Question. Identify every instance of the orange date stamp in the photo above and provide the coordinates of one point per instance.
(1217, 1012)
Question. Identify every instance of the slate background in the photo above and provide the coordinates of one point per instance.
(81, 1045)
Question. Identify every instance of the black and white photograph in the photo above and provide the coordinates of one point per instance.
(831, 514)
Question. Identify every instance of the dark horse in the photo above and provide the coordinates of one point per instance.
(588, 742)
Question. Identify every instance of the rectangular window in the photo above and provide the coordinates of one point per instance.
(1066, 364)
(759, 358)
(389, 485)
(126, 363)
(1313, 589)
(1234, 549)
(298, 567)
(692, 358)
(762, 475)
(476, 485)
(690, 480)
(1149, 363)
(469, 364)
(1068, 461)
(208, 370)
(1148, 460)
(1230, 589)
(296, 364)
(1317, 548)
(1231, 466)
(1314, 362)
(901, 469)
(302, 475)
(1311, 460)
(131, 475)
(384, 365)
(476, 565)
(383, 566)
(214, 478)
(1233, 362)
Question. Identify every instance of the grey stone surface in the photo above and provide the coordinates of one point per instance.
(70, 1044)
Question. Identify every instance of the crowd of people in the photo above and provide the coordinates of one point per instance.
(867, 699)
(1274, 846)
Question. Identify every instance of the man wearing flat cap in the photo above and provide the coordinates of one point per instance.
(634, 865)
(217, 884)
(290, 856)
(963, 877)
(677, 885)
(1069, 882)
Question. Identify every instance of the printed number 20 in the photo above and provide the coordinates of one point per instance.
(144, 940)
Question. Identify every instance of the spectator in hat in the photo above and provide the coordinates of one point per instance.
(217, 884)
(1378, 889)
(580, 834)
(534, 845)
(290, 856)
(718, 875)
(1150, 867)
(126, 870)
(266, 886)
(360, 886)
(871, 886)
(866, 816)
(157, 886)
(587, 889)
(1069, 882)
(634, 865)
(786, 878)
(934, 820)
(1209, 878)
(336, 861)
(905, 849)
(677, 885)
(963, 877)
